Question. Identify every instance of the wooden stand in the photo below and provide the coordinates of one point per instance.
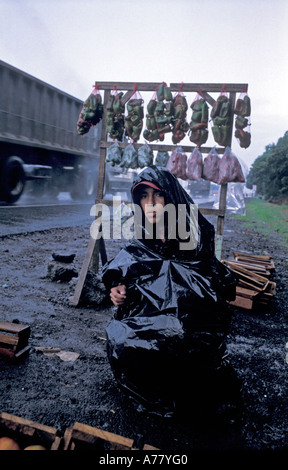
(206, 88)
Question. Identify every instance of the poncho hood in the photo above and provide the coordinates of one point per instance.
(188, 219)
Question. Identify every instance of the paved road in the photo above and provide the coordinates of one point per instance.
(30, 217)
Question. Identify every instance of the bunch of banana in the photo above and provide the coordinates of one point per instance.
(115, 116)
(180, 125)
(221, 115)
(199, 121)
(159, 115)
(243, 111)
(91, 113)
(134, 120)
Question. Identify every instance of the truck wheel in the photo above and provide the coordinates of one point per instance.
(12, 179)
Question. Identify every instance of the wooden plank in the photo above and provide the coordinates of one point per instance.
(8, 339)
(242, 303)
(143, 86)
(83, 273)
(12, 327)
(247, 293)
(239, 254)
(254, 268)
(83, 433)
(210, 87)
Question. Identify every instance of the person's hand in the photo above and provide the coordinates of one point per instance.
(118, 295)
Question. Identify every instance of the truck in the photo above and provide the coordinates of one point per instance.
(41, 151)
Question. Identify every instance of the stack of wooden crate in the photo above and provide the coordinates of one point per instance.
(254, 286)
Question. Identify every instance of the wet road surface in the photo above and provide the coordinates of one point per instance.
(30, 217)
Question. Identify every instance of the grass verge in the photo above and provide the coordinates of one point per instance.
(267, 218)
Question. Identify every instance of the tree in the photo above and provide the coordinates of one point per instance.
(270, 171)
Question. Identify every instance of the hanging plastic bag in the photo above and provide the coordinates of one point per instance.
(129, 157)
(91, 113)
(159, 114)
(145, 156)
(199, 120)
(195, 165)
(134, 120)
(211, 166)
(177, 163)
(180, 124)
(242, 121)
(114, 154)
(162, 158)
(115, 115)
(221, 115)
(235, 201)
(230, 170)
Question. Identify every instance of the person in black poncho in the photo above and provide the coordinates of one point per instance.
(166, 340)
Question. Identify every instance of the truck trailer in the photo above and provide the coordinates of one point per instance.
(40, 148)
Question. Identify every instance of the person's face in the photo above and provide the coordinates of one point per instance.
(152, 202)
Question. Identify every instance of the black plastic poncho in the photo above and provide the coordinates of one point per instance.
(175, 318)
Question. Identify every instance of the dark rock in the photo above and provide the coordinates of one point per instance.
(63, 257)
(60, 272)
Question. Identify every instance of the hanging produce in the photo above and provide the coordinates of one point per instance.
(134, 120)
(114, 154)
(162, 158)
(195, 165)
(199, 121)
(115, 115)
(230, 170)
(159, 114)
(180, 124)
(145, 156)
(177, 163)
(221, 115)
(91, 113)
(242, 121)
(129, 157)
(211, 166)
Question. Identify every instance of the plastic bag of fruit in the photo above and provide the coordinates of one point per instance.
(177, 163)
(195, 165)
(211, 166)
(91, 112)
(134, 120)
(242, 121)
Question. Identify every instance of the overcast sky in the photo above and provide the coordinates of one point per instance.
(71, 44)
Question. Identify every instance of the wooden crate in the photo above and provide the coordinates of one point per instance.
(265, 261)
(82, 436)
(254, 286)
(26, 432)
(14, 340)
